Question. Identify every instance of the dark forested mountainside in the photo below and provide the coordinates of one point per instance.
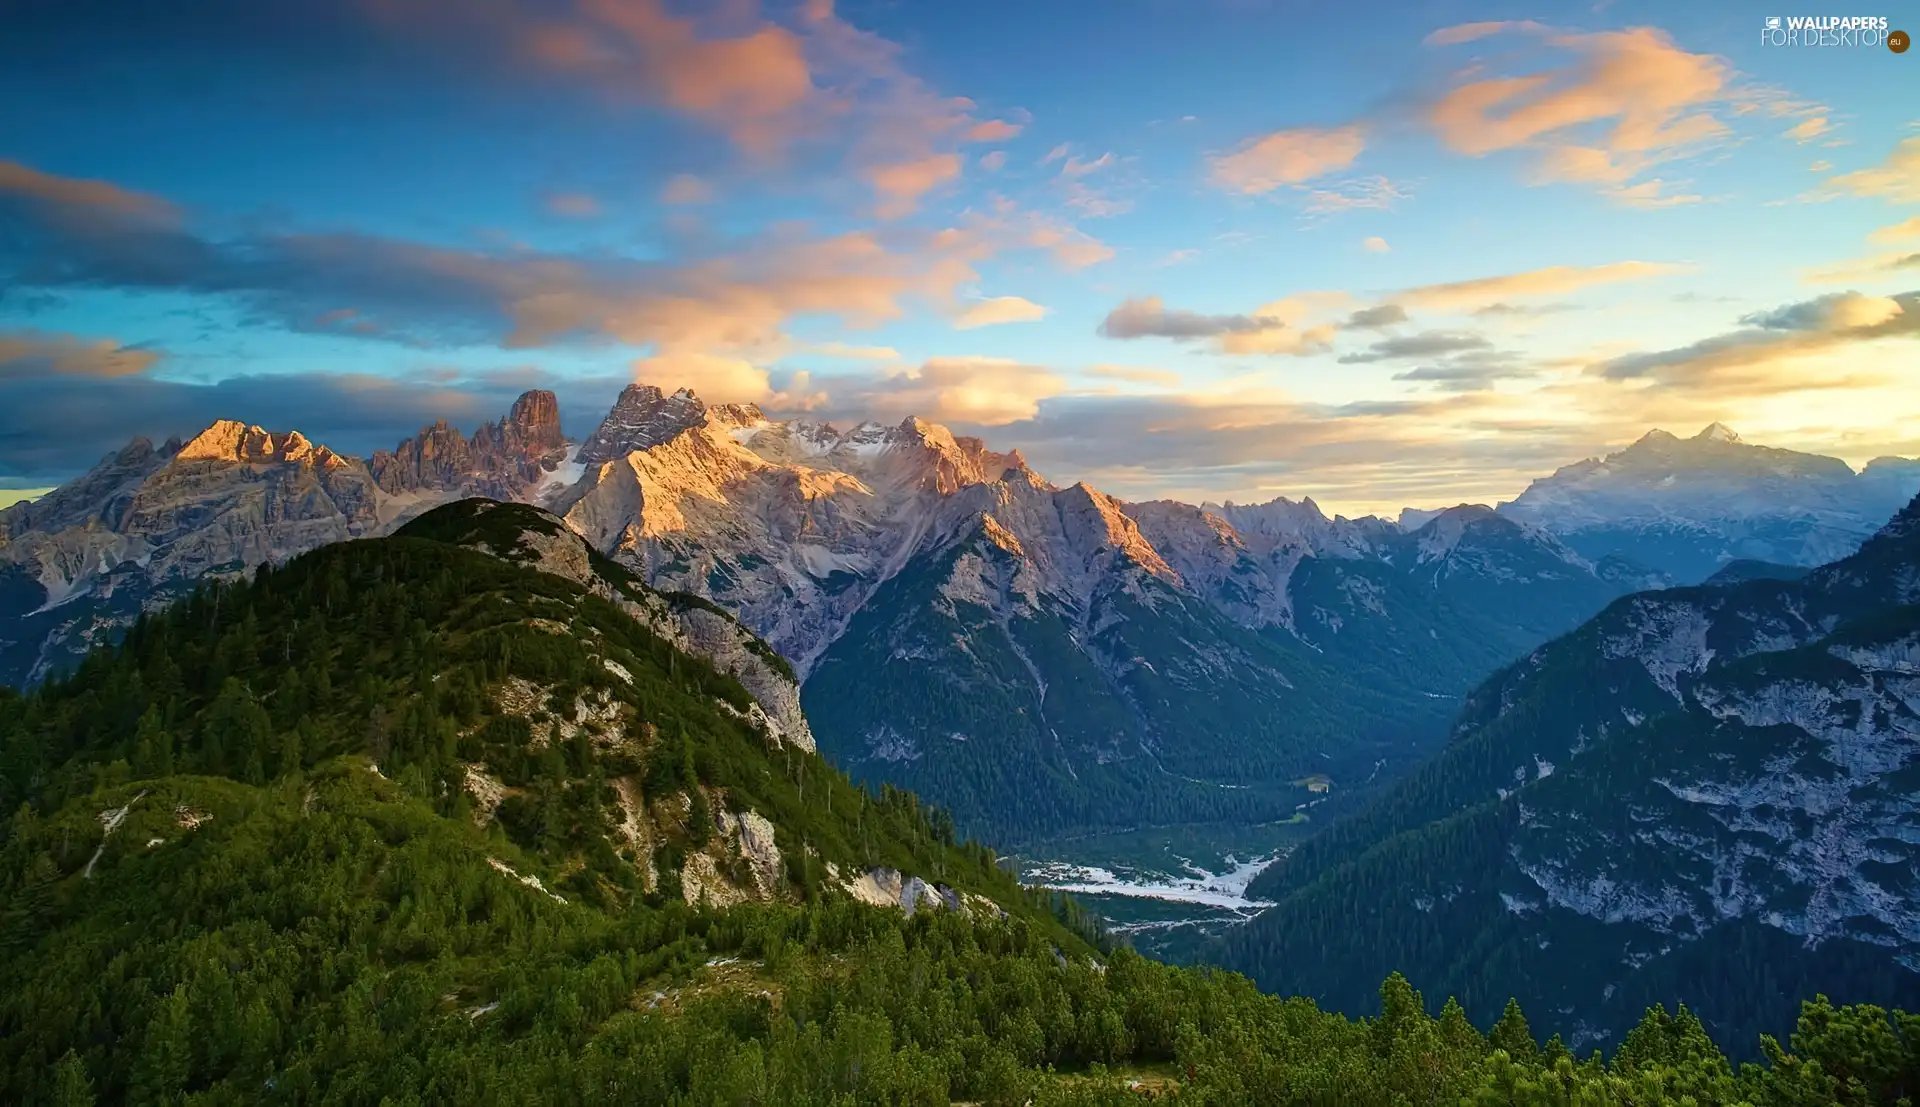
(1706, 794)
(1144, 701)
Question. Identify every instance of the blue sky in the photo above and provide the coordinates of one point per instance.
(1381, 255)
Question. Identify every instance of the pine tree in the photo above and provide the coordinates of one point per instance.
(1512, 1034)
(71, 1087)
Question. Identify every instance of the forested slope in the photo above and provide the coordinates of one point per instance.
(310, 838)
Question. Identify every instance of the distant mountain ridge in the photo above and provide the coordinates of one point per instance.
(1704, 793)
(1689, 506)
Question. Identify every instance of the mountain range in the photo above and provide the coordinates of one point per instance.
(1708, 792)
(1689, 506)
(1036, 659)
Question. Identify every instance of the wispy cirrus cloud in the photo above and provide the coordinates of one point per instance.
(1553, 280)
(1287, 157)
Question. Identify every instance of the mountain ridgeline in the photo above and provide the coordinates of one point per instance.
(1690, 506)
(1035, 659)
(1706, 792)
(470, 815)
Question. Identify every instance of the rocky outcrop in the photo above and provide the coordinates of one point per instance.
(529, 536)
(502, 460)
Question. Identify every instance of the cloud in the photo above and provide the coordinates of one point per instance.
(901, 185)
(994, 161)
(1822, 165)
(1899, 232)
(1619, 103)
(38, 354)
(1134, 375)
(992, 130)
(1380, 315)
(857, 353)
(1421, 345)
(1897, 180)
(1176, 257)
(1287, 157)
(1148, 317)
(982, 391)
(1375, 245)
(1467, 374)
(685, 188)
(1000, 309)
(1472, 32)
(572, 205)
(1809, 129)
(1077, 168)
(1556, 280)
(1649, 194)
(1374, 192)
(731, 300)
(1072, 248)
(1759, 357)
(1502, 308)
(751, 86)
(84, 197)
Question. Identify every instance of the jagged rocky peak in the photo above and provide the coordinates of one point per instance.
(643, 416)
(230, 441)
(499, 460)
(1717, 432)
(532, 425)
(1096, 521)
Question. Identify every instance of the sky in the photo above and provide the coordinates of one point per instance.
(1381, 255)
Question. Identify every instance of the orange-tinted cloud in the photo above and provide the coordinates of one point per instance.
(77, 194)
(1896, 180)
(33, 354)
(1621, 101)
(998, 310)
(992, 130)
(747, 85)
(901, 185)
(1556, 280)
(1762, 356)
(1899, 232)
(986, 391)
(1287, 157)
